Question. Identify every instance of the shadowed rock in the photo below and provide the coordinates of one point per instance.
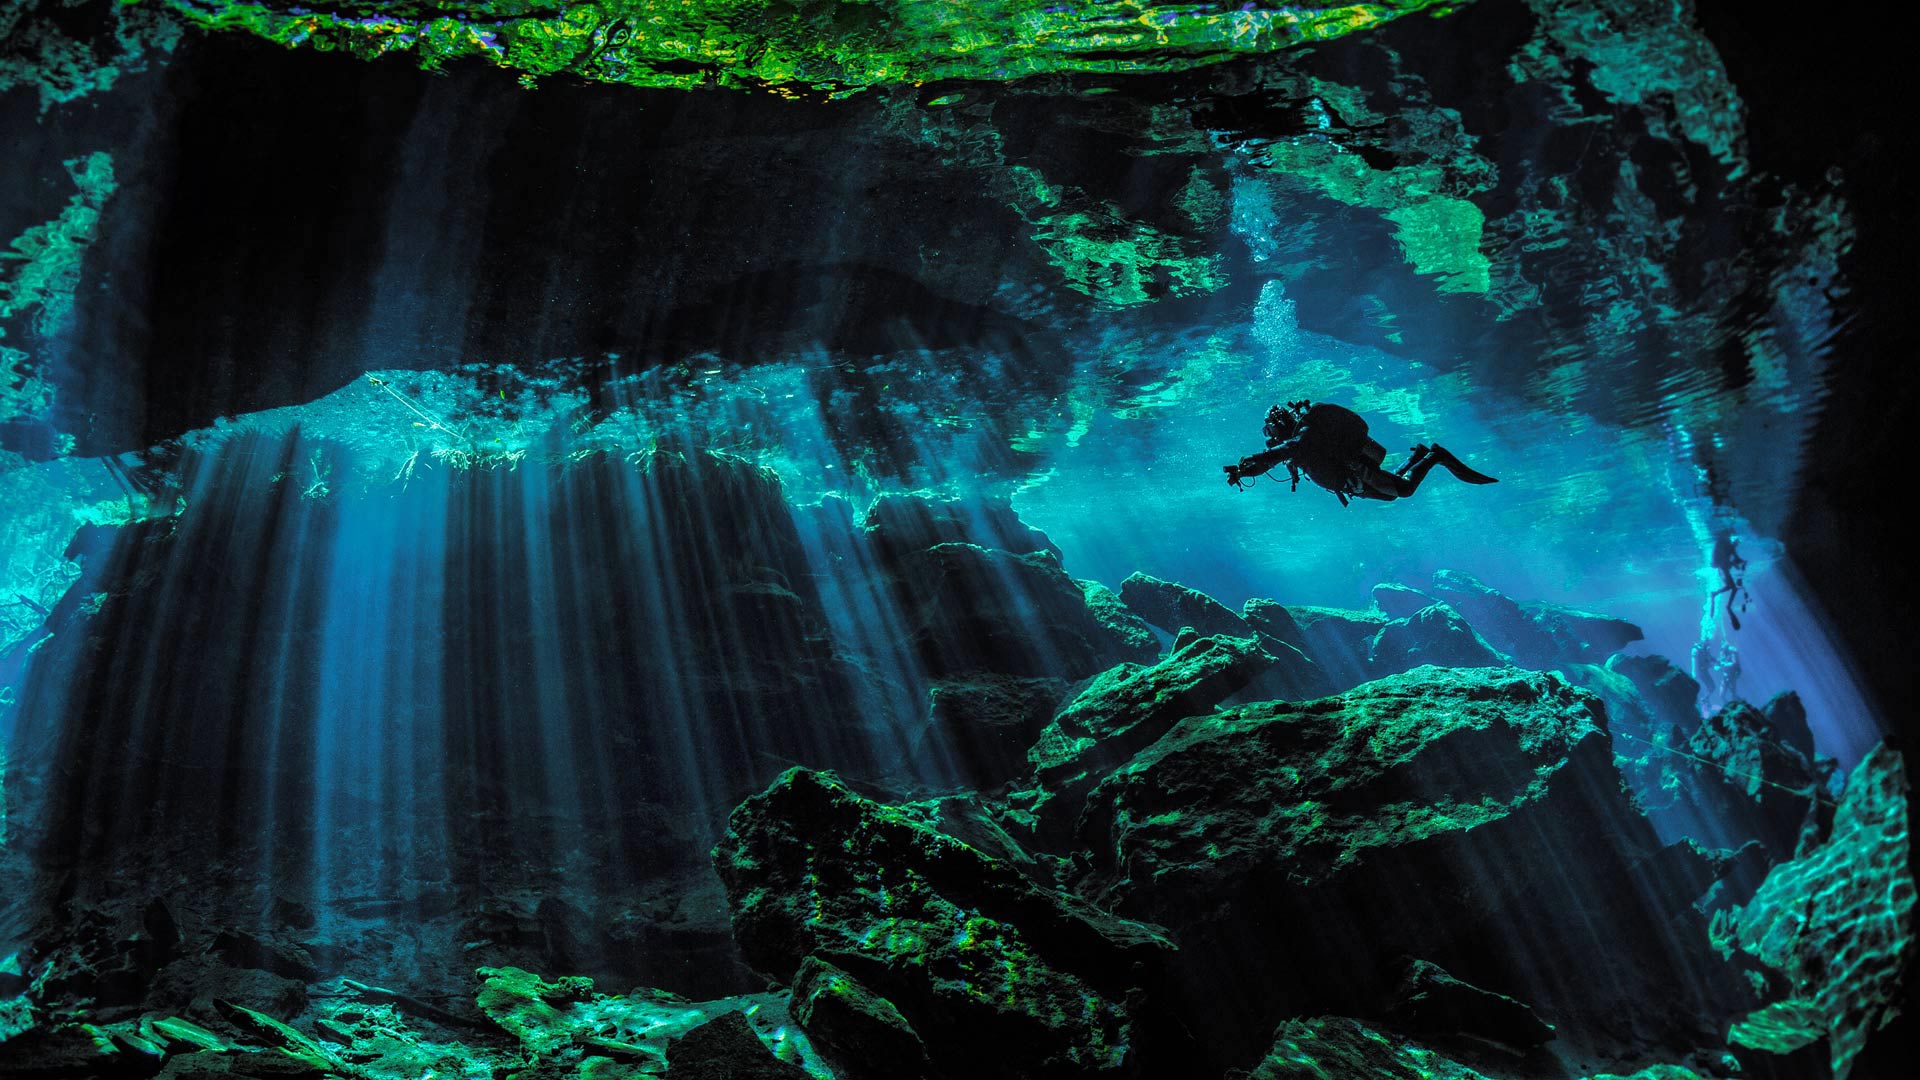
(1127, 707)
(1135, 637)
(1428, 814)
(1273, 619)
(987, 722)
(1170, 606)
(900, 524)
(1337, 1047)
(862, 1031)
(997, 975)
(971, 609)
(1432, 635)
(725, 1048)
(1431, 1002)
(1398, 601)
(1338, 641)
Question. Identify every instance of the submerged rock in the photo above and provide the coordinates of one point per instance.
(864, 1034)
(1400, 602)
(1338, 641)
(969, 609)
(996, 974)
(1836, 923)
(1432, 635)
(1431, 1002)
(1134, 636)
(1170, 607)
(1128, 707)
(1339, 1048)
(987, 722)
(725, 1048)
(896, 525)
(1426, 814)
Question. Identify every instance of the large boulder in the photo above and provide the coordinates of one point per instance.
(1433, 635)
(1534, 634)
(1126, 708)
(1426, 814)
(1835, 925)
(1764, 788)
(864, 1034)
(1274, 620)
(1398, 601)
(1136, 638)
(1339, 641)
(968, 609)
(996, 974)
(984, 723)
(898, 524)
(1171, 606)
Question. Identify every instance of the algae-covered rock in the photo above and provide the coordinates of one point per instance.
(530, 1008)
(992, 971)
(1581, 637)
(1429, 814)
(1432, 635)
(1171, 606)
(1134, 636)
(1339, 1048)
(1273, 619)
(862, 1031)
(1837, 923)
(725, 1048)
(1127, 707)
(1534, 634)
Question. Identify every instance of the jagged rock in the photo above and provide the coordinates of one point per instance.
(725, 1048)
(1425, 814)
(1433, 635)
(1398, 601)
(1581, 637)
(1671, 695)
(1170, 606)
(862, 1031)
(896, 525)
(969, 609)
(987, 722)
(996, 974)
(1773, 786)
(1136, 640)
(1186, 636)
(1737, 876)
(1339, 1048)
(1431, 1002)
(1293, 676)
(1338, 641)
(71, 1050)
(1497, 616)
(1128, 707)
(1836, 922)
(1535, 635)
(1273, 619)
(1787, 717)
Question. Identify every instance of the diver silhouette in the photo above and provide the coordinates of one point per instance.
(1331, 446)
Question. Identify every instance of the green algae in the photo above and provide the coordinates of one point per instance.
(39, 272)
(807, 46)
(41, 52)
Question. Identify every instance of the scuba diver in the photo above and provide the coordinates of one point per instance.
(1726, 559)
(1331, 446)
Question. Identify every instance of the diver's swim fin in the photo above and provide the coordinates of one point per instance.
(1458, 469)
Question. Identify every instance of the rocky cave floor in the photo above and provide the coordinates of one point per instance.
(1442, 837)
